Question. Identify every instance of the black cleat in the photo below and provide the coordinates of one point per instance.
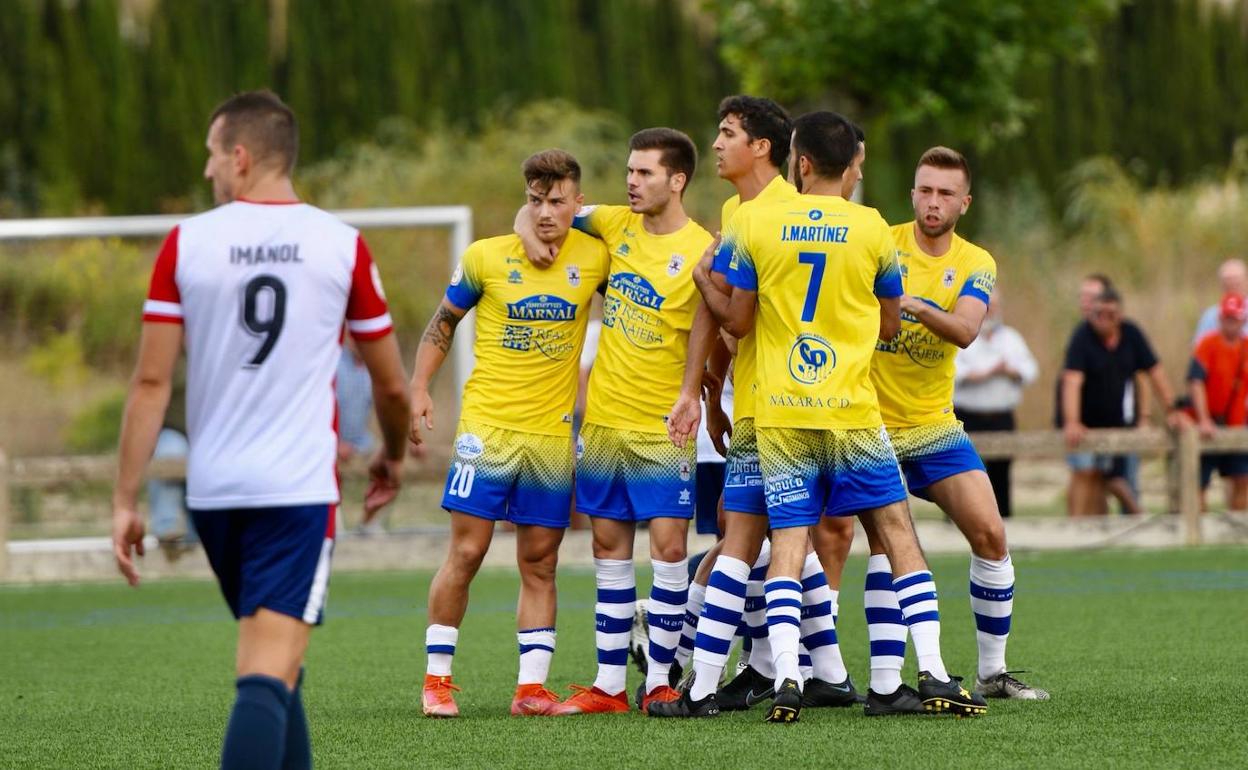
(674, 675)
(787, 705)
(950, 697)
(905, 700)
(684, 708)
(747, 689)
(819, 693)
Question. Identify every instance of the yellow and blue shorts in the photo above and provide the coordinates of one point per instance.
(743, 476)
(932, 453)
(811, 473)
(508, 475)
(633, 476)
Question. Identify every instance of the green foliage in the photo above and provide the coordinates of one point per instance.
(952, 61)
(98, 427)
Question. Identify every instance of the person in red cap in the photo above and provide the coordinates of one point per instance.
(1218, 383)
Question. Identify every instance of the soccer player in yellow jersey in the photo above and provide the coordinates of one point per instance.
(947, 282)
(818, 276)
(513, 448)
(628, 471)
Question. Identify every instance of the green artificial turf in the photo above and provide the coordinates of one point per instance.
(1142, 650)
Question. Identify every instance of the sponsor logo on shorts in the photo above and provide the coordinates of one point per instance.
(685, 497)
(744, 473)
(811, 359)
(786, 488)
(469, 446)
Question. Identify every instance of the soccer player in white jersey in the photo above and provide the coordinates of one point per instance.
(259, 288)
(513, 446)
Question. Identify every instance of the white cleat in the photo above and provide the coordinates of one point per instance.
(1004, 685)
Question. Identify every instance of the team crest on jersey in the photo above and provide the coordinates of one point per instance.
(683, 471)
(469, 446)
(458, 275)
(815, 215)
(947, 279)
(622, 250)
(514, 277)
(574, 275)
(811, 359)
(684, 498)
(675, 264)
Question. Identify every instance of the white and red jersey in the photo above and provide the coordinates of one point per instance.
(263, 290)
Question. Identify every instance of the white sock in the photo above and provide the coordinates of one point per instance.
(756, 616)
(916, 593)
(665, 613)
(537, 647)
(818, 626)
(725, 600)
(440, 644)
(784, 613)
(613, 616)
(992, 601)
(693, 609)
(886, 627)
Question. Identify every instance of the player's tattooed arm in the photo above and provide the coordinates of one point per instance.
(434, 346)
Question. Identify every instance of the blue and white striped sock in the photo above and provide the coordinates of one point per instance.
(916, 593)
(886, 627)
(784, 621)
(440, 649)
(613, 619)
(818, 624)
(537, 647)
(725, 601)
(665, 613)
(693, 610)
(992, 601)
(755, 617)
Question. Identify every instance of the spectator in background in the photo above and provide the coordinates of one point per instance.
(166, 498)
(988, 385)
(1233, 275)
(354, 389)
(1104, 354)
(1218, 384)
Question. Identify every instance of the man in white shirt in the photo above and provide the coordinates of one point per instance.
(991, 374)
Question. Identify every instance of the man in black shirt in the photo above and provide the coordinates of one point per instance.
(1104, 354)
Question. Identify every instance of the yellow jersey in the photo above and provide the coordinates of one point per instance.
(913, 374)
(743, 380)
(647, 312)
(530, 329)
(818, 263)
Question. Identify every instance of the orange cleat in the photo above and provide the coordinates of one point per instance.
(437, 700)
(591, 700)
(534, 700)
(660, 694)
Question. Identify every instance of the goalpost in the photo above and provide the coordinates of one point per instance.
(458, 219)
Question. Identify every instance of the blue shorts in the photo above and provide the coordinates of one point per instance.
(507, 475)
(632, 476)
(1228, 466)
(743, 481)
(932, 453)
(812, 473)
(710, 485)
(275, 558)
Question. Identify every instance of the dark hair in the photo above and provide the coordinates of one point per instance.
(262, 123)
(542, 170)
(762, 119)
(1109, 294)
(943, 157)
(677, 152)
(828, 140)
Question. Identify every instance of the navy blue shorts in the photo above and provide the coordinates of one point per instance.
(275, 558)
(710, 485)
(1228, 466)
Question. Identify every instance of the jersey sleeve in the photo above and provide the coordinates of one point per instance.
(742, 272)
(164, 301)
(599, 221)
(368, 317)
(467, 282)
(982, 279)
(887, 271)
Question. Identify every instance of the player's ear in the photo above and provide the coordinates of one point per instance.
(966, 203)
(762, 147)
(579, 201)
(241, 159)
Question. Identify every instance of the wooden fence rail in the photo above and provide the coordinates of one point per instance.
(1181, 450)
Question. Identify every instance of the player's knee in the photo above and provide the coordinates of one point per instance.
(669, 552)
(539, 568)
(988, 542)
(467, 555)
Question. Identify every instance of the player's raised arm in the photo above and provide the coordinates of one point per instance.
(960, 327)
(150, 387)
(434, 345)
